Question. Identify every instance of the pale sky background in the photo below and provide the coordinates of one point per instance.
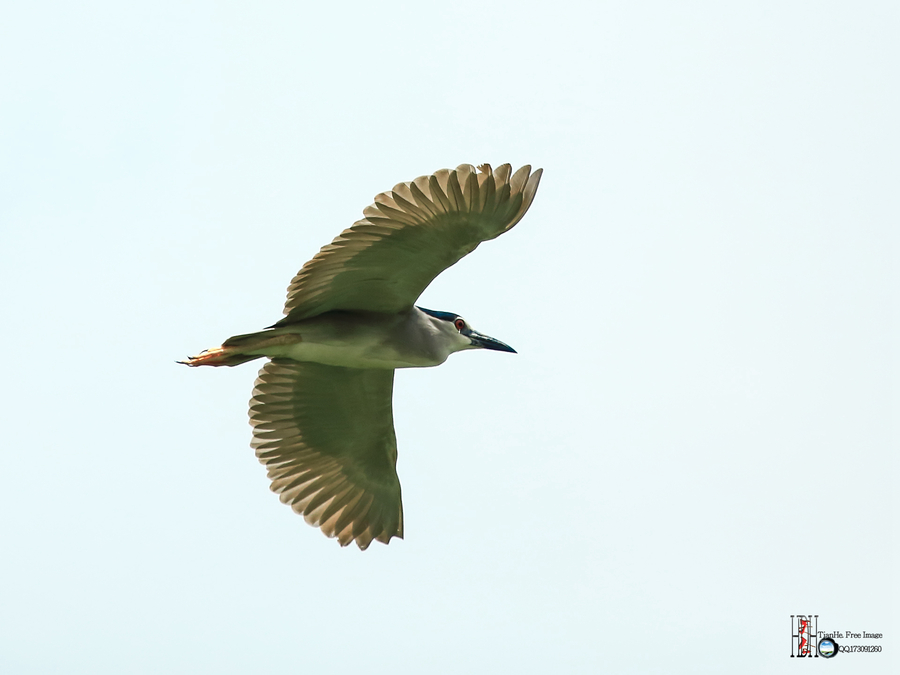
(695, 441)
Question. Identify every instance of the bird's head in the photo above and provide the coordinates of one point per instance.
(461, 335)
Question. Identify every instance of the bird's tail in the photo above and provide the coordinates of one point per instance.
(234, 351)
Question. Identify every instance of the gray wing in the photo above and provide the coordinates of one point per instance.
(409, 236)
(326, 436)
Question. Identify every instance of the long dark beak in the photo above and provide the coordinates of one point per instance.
(486, 342)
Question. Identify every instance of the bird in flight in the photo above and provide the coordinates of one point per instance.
(321, 409)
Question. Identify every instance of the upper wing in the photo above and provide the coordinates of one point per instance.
(409, 236)
(326, 436)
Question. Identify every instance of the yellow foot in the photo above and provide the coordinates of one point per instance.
(217, 356)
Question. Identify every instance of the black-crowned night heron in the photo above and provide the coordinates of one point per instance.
(321, 408)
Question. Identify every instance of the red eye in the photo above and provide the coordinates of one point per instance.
(460, 324)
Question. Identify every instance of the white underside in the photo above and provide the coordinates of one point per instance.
(349, 355)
